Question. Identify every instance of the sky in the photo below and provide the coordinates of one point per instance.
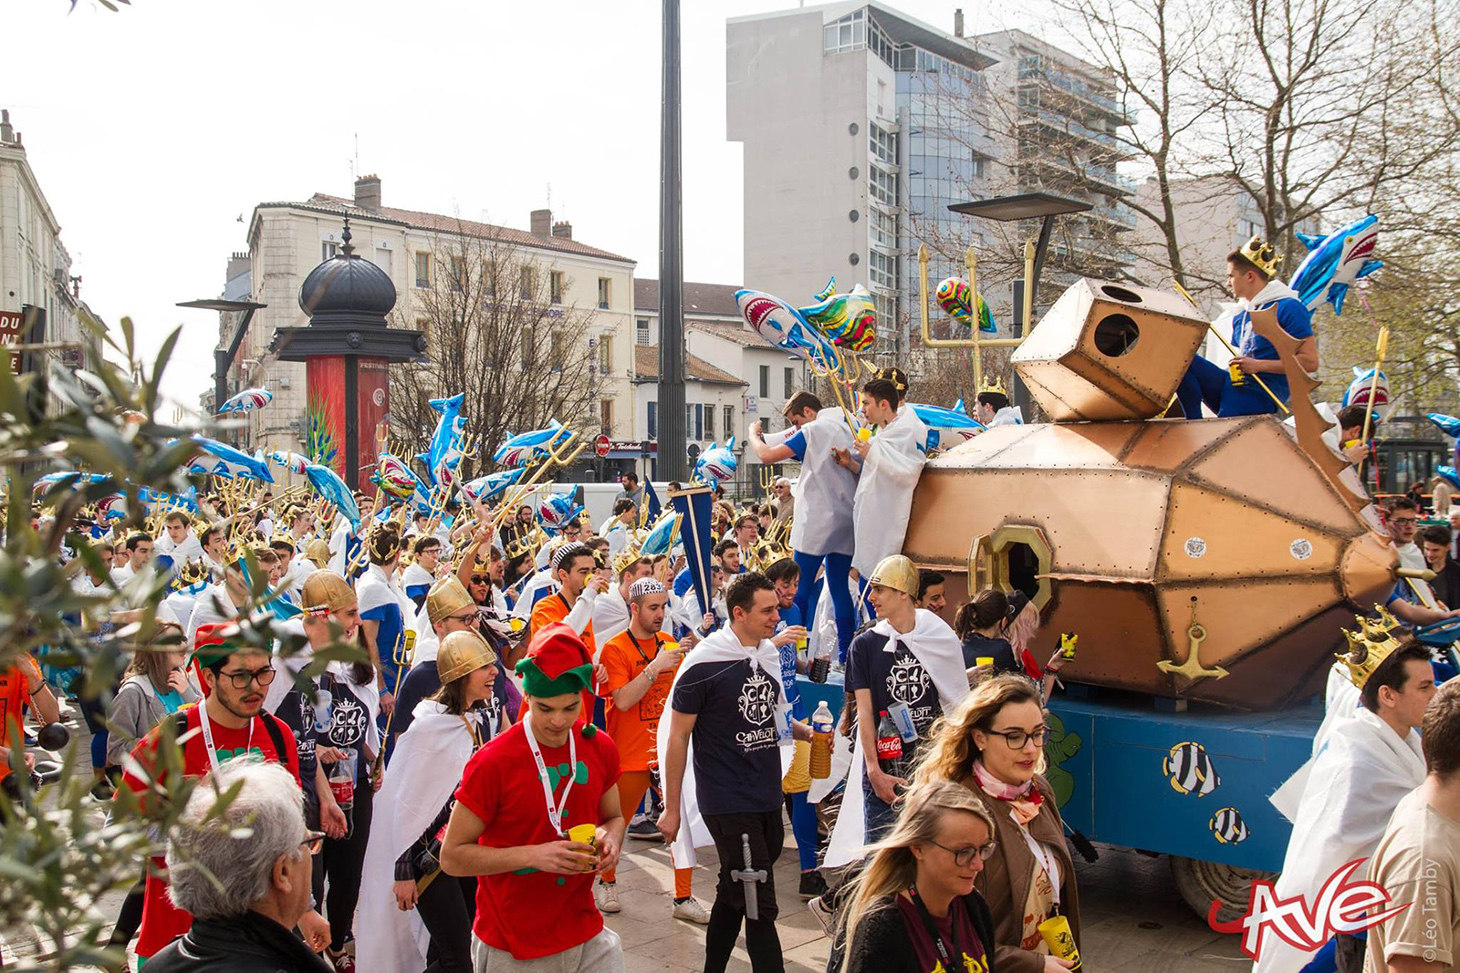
(153, 130)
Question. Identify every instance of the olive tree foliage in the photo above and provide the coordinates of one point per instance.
(58, 855)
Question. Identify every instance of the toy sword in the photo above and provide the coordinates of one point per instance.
(750, 876)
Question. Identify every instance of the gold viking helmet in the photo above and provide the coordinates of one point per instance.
(898, 573)
(461, 654)
(1261, 255)
(446, 597)
(318, 551)
(1373, 642)
(326, 591)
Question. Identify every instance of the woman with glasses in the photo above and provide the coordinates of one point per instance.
(915, 908)
(993, 745)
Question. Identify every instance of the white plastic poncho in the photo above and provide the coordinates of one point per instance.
(883, 500)
(936, 646)
(720, 646)
(825, 491)
(1353, 786)
(426, 767)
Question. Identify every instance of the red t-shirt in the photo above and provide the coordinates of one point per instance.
(162, 922)
(14, 695)
(533, 914)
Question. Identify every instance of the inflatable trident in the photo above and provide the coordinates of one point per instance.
(968, 306)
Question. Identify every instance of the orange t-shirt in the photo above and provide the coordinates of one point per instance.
(555, 608)
(14, 695)
(635, 729)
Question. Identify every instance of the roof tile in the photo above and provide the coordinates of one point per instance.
(646, 366)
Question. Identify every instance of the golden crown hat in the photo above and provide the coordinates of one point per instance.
(461, 654)
(890, 374)
(190, 572)
(1368, 646)
(993, 387)
(1261, 255)
(630, 553)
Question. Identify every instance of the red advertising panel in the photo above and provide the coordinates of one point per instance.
(374, 392)
(324, 440)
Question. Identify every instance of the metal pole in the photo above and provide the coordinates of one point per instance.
(673, 463)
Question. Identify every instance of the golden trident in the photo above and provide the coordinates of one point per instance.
(557, 455)
(977, 341)
(767, 477)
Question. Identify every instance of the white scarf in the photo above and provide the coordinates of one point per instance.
(721, 646)
(1353, 786)
(424, 770)
(1272, 292)
(934, 645)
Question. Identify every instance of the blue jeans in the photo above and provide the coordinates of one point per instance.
(1205, 383)
(838, 571)
(878, 816)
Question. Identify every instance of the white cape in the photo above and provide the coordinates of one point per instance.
(824, 491)
(935, 645)
(723, 645)
(1355, 783)
(883, 500)
(424, 771)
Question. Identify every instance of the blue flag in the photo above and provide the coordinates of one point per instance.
(652, 499)
(693, 506)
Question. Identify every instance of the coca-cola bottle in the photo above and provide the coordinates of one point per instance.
(889, 747)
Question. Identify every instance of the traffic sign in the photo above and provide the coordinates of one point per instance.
(601, 445)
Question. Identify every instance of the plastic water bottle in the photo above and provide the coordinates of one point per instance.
(821, 740)
(322, 702)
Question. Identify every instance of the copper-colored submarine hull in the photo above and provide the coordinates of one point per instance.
(1141, 517)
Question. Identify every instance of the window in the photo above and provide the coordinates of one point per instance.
(423, 269)
(882, 143)
(882, 185)
(729, 420)
(710, 422)
(884, 229)
(489, 280)
(765, 381)
(558, 351)
(603, 292)
(527, 355)
(555, 286)
(525, 283)
(790, 380)
(605, 416)
(328, 249)
(653, 420)
(605, 354)
(884, 270)
(694, 420)
(641, 331)
(384, 262)
(458, 273)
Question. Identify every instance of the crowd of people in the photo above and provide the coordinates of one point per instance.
(526, 696)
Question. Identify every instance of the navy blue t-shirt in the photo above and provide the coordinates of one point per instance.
(891, 677)
(737, 757)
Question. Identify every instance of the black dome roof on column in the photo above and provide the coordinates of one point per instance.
(347, 289)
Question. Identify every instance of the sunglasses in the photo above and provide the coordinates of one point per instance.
(480, 579)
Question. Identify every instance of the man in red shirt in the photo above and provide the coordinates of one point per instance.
(228, 725)
(520, 797)
(20, 685)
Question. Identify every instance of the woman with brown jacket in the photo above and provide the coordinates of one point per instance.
(993, 745)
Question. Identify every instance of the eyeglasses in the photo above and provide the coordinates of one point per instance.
(1404, 520)
(963, 856)
(1017, 738)
(465, 619)
(242, 679)
(313, 842)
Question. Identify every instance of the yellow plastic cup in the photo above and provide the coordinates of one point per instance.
(1059, 939)
(582, 833)
(864, 434)
(985, 660)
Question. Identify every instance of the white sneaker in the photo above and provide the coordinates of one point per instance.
(690, 910)
(605, 896)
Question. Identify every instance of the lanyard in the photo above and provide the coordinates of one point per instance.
(639, 649)
(207, 726)
(554, 810)
(933, 932)
(1046, 861)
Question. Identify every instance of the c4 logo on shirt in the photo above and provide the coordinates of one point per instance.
(907, 681)
(758, 698)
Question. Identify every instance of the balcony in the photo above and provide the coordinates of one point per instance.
(1087, 175)
(1066, 125)
(1079, 89)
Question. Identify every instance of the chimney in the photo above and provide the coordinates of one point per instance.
(542, 222)
(958, 22)
(563, 229)
(367, 193)
(238, 264)
(7, 134)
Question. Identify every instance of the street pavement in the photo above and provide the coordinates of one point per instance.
(1133, 919)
